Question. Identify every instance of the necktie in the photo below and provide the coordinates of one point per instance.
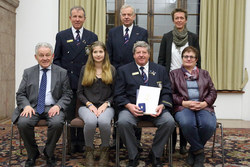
(78, 37)
(126, 37)
(42, 92)
(144, 76)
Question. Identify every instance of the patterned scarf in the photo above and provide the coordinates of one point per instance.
(194, 74)
(180, 38)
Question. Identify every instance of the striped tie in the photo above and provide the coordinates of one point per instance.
(78, 37)
(126, 36)
(144, 76)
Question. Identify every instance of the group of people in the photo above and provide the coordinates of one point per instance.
(105, 80)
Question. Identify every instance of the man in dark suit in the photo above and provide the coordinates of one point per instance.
(44, 93)
(120, 43)
(70, 54)
(129, 79)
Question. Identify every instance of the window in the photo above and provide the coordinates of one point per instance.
(155, 16)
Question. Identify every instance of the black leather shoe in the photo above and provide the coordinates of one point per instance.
(133, 162)
(199, 160)
(80, 148)
(51, 161)
(183, 150)
(30, 162)
(73, 148)
(156, 161)
(190, 159)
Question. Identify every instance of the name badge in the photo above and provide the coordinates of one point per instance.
(70, 40)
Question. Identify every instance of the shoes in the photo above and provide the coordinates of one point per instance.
(30, 162)
(190, 158)
(73, 148)
(77, 148)
(51, 161)
(104, 157)
(133, 162)
(199, 160)
(80, 148)
(90, 161)
(183, 150)
(156, 161)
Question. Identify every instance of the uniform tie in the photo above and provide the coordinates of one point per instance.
(78, 37)
(144, 76)
(126, 36)
(42, 93)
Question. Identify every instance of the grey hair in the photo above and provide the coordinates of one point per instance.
(45, 45)
(141, 44)
(127, 6)
(77, 8)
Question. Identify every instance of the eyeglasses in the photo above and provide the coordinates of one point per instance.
(191, 57)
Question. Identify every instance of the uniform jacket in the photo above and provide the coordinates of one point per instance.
(120, 53)
(129, 80)
(207, 91)
(70, 56)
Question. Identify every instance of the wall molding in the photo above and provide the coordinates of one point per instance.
(9, 5)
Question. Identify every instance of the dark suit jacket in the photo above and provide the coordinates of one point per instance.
(70, 56)
(129, 80)
(119, 53)
(207, 91)
(165, 53)
(27, 93)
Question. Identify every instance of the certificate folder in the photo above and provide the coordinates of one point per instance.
(148, 99)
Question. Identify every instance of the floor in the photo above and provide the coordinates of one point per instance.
(231, 123)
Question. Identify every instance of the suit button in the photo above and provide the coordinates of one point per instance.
(68, 52)
(71, 72)
(71, 62)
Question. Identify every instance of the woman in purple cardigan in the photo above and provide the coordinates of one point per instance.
(193, 96)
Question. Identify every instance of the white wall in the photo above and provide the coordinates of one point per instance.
(37, 20)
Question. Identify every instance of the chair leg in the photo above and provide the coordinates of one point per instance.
(117, 156)
(11, 136)
(213, 143)
(64, 136)
(222, 144)
(170, 153)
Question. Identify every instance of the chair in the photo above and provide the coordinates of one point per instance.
(142, 124)
(76, 123)
(219, 125)
(40, 123)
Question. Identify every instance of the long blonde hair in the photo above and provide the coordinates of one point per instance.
(90, 70)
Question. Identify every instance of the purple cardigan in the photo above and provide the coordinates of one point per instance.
(179, 87)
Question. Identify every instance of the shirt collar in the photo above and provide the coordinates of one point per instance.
(74, 30)
(145, 67)
(130, 28)
(40, 67)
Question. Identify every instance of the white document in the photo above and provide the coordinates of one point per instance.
(150, 97)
